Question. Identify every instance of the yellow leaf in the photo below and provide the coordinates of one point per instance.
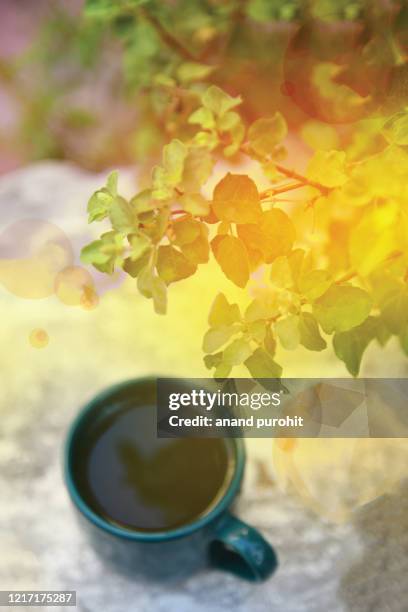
(218, 101)
(287, 330)
(274, 235)
(328, 168)
(195, 204)
(264, 134)
(373, 239)
(193, 71)
(232, 257)
(223, 313)
(172, 265)
(342, 307)
(186, 230)
(216, 337)
(319, 135)
(236, 199)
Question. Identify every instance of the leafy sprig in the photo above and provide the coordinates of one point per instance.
(162, 234)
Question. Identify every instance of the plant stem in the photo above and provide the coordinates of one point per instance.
(346, 277)
(352, 273)
(302, 179)
(276, 190)
(166, 37)
(293, 175)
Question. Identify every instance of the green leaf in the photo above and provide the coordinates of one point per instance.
(133, 267)
(174, 155)
(164, 79)
(296, 262)
(107, 9)
(349, 346)
(314, 283)
(257, 330)
(257, 310)
(101, 201)
(232, 257)
(287, 330)
(341, 308)
(395, 310)
(319, 135)
(231, 124)
(377, 229)
(328, 168)
(270, 341)
(236, 199)
(203, 117)
(142, 202)
(396, 129)
(169, 175)
(195, 204)
(159, 294)
(162, 188)
(223, 313)
(112, 183)
(272, 10)
(122, 216)
(186, 230)
(309, 331)
(145, 281)
(223, 370)
(139, 244)
(382, 333)
(237, 352)
(404, 339)
(216, 337)
(104, 254)
(156, 224)
(193, 71)
(213, 361)
(261, 365)
(265, 133)
(208, 140)
(102, 9)
(218, 101)
(274, 234)
(237, 136)
(198, 166)
(281, 273)
(99, 204)
(192, 237)
(198, 250)
(92, 253)
(172, 265)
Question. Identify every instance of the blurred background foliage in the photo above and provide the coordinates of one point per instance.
(107, 83)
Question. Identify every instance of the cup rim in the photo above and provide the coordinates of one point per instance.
(131, 534)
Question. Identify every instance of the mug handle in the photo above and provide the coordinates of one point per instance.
(242, 550)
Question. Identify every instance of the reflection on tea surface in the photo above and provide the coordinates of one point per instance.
(131, 478)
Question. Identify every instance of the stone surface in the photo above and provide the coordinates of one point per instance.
(360, 565)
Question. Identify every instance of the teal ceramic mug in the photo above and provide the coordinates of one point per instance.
(216, 537)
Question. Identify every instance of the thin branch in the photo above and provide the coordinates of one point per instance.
(302, 179)
(276, 190)
(346, 277)
(166, 37)
(352, 274)
(294, 175)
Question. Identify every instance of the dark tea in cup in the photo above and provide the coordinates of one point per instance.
(135, 480)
